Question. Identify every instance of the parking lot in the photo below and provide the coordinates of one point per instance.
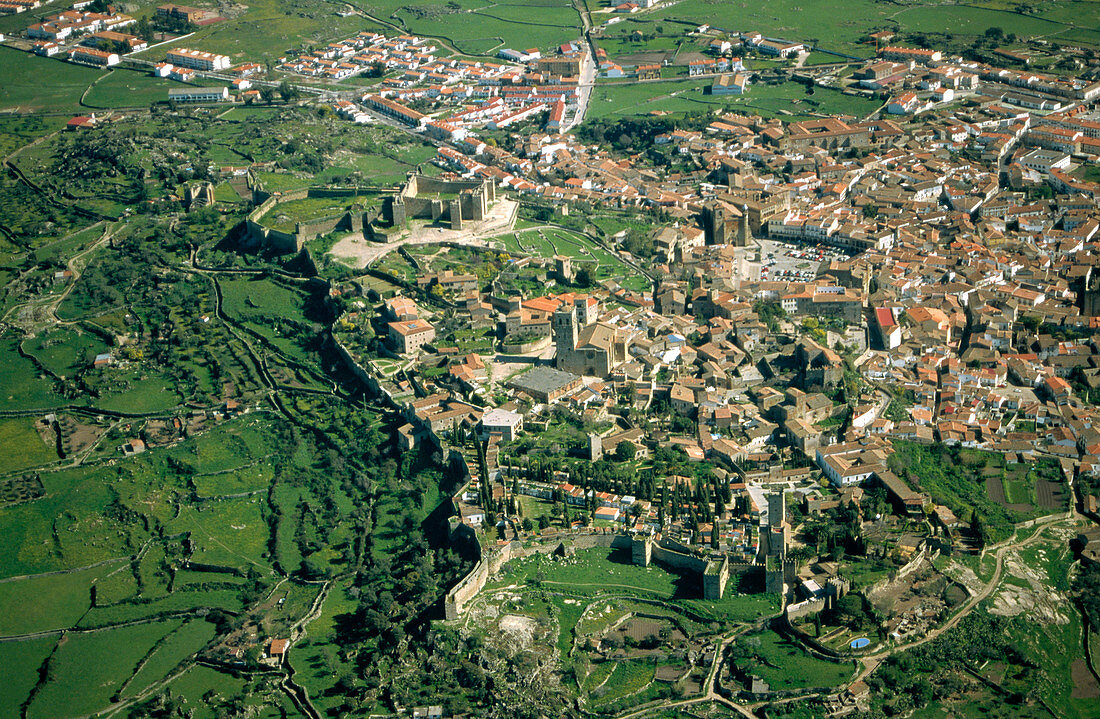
(794, 262)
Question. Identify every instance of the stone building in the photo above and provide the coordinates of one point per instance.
(584, 345)
(453, 202)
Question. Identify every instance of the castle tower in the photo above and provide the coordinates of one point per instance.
(777, 509)
(563, 267)
(595, 447)
(777, 535)
(455, 211)
(564, 327)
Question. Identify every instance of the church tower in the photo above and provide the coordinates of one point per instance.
(565, 332)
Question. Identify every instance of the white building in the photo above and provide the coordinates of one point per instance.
(198, 94)
(503, 422)
(197, 59)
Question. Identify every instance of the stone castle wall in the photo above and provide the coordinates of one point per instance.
(281, 241)
(491, 562)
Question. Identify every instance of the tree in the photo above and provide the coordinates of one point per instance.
(267, 94)
(625, 452)
(980, 531)
(287, 91)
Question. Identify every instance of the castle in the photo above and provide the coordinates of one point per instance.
(584, 345)
(450, 201)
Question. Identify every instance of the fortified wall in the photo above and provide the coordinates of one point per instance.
(353, 220)
(714, 573)
(491, 562)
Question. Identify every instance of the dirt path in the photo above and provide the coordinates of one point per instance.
(871, 661)
(50, 304)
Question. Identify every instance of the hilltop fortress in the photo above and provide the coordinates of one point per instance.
(450, 201)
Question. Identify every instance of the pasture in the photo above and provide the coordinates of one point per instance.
(22, 385)
(789, 100)
(125, 87)
(53, 601)
(41, 84)
(87, 669)
(550, 241)
(478, 27)
(268, 29)
(22, 660)
(65, 351)
(786, 665)
(843, 27)
(176, 647)
(226, 532)
(22, 446)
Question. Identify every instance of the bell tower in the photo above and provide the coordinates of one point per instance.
(565, 332)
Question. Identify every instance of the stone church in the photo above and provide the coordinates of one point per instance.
(584, 345)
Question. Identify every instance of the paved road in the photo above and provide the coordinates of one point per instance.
(589, 69)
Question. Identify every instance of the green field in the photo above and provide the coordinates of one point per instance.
(18, 130)
(88, 668)
(132, 88)
(626, 678)
(786, 665)
(22, 661)
(65, 351)
(178, 646)
(602, 571)
(209, 694)
(49, 602)
(269, 29)
(22, 385)
(314, 659)
(1088, 173)
(21, 446)
(41, 84)
(227, 532)
(788, 100)
(841, 27)
(478, 27)
(135, 390)
(285, 215)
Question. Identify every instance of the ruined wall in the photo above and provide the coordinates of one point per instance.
(678, 560)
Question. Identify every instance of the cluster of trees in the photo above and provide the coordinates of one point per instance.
(1086, 584)
(835, 532)
(955, 482)
(626, 133)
